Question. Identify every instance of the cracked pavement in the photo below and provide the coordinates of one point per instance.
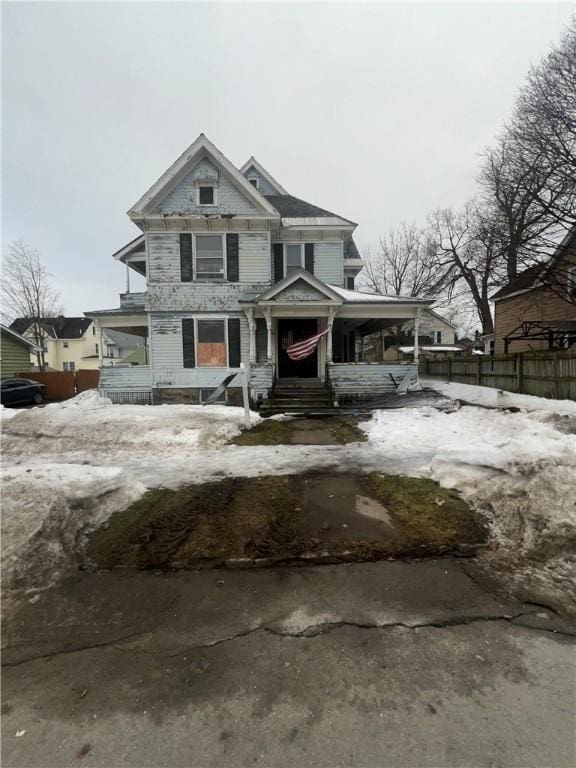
(375, 664)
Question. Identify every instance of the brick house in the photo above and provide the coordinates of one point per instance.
(537, 309)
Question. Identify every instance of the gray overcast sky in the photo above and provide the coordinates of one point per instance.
(374, 111)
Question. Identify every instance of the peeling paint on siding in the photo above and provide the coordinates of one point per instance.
(182, 199)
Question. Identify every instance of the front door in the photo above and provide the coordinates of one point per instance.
(290, 332)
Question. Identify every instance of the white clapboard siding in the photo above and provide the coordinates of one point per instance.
(166, 339)
(182, 199)
(200, 297)
(329, 263)
(254, 256)
(261, 380)
(136, 377)
(367, 378)
(163, 257)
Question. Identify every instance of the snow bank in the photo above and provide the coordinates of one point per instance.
(498, 398)
(517, 469)
(7, 413)
(46, 509)
(92, 422)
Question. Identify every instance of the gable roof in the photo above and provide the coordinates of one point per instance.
(290, 207)
(350, 249)
(17, 337)
(253, 163)
(200, 148)
(524, 281)
(300, 274)
(56, 327)
(531, 278)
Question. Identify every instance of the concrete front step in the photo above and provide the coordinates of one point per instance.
(299, 411)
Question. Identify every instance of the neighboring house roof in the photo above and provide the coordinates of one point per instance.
(531, 278)
(253, 163)
(524, 281)
(290, 207)
(67, 328)
(134, 246)
(17, 337)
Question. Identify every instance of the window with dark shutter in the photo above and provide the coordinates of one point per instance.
(232, 258)
(309, 257)
(188, 351)
(277, 262)
(234, 342)
(186, 257)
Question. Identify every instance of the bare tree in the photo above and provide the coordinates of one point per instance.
(404, 265)
(468, 251)
(27, 291)
(529, 178)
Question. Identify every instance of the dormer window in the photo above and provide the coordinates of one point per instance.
(254, 182)
(206, 194)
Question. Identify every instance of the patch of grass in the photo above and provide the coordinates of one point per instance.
(346, 431)
(268, 432)
(232, 518)
(273, 432)
(426, 513)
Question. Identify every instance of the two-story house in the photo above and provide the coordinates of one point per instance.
(237, 270)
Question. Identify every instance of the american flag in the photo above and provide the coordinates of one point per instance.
(305, 348)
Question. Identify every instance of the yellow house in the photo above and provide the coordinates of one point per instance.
(69, 343)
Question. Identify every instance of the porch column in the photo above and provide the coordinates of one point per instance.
(416, 342)
(269, 330)
(127, 278)
(252, 327)
(100, 345)
(330, 323)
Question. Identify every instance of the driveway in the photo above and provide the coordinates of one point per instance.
(388, 664)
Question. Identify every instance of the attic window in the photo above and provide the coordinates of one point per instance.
(254, 182)
(206, 195)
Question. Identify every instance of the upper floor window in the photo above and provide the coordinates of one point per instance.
(69, 366)
(350, 283)
(93, 330)
(438, 339)
(294, 258)
(65, 345)
(254, 182)
(206, 195)
(209, 257)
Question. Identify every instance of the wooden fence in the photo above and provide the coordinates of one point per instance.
(62, 385)
(545, 374)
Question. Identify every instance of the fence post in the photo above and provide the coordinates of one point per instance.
(478, 369)
(556, 375)
(520, 373)
(449, 369)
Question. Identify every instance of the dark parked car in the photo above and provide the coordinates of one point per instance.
(21, 392)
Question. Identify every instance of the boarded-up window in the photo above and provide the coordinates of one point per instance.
(211, 346)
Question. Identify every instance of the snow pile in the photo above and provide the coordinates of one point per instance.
(499, 398)
(46, 509)
(92, 422)
(7, 413)
(518, 469)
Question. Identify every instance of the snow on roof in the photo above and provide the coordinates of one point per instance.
(357, 297)
(435, 348)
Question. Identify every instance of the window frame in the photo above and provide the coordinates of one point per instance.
(302, 256)
(195, 277)
(211, 318)
(253, 179)
(214, 189)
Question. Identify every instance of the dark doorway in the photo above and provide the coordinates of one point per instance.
(289, 332)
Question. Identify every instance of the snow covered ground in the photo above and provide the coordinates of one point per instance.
(70, 465)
